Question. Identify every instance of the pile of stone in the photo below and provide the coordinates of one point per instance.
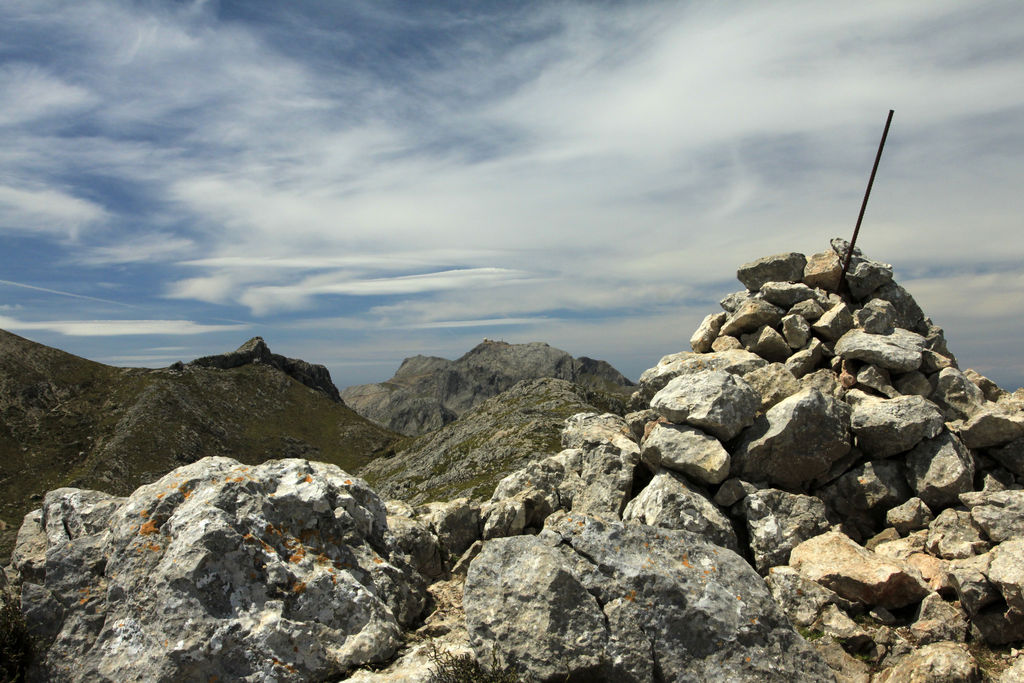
(815, 492)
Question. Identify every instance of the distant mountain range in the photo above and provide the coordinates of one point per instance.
(428, 392)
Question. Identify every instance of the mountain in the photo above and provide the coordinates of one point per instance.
(428, 392)
(469, 456)
(68, 421)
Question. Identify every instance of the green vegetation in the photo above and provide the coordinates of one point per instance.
(15, 642)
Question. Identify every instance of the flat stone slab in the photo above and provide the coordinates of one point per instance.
(899, 351)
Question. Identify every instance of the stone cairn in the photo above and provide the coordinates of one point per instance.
(815, 492)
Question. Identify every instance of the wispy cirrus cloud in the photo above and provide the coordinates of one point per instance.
(116, 328)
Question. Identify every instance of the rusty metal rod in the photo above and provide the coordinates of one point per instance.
(864, 204)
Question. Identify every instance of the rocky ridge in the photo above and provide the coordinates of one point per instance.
(428, 392)
(845, 508)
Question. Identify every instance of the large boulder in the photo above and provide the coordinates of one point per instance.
(899, 351)
(1000, 514)
(778, 521)
(717, 402)
(796, 441)
(940, 469)
(855, 573)
(588, 600)
(284, 570)
(885, 427)
(787, 267)
(687, 450)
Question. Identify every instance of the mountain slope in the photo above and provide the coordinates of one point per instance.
(67, 421)
(428, 392)
(469, 456)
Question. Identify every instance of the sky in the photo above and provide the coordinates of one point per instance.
(358, 182)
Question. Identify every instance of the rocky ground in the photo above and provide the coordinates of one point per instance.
(815, 492)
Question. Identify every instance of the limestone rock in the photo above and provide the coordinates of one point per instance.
(796, 331)
(585, 430)
(1007, 572)
(957, 396)
(908, 516)
(913, 383)
(943, 662)
(969, 578)
(668, 501)
(1000, 514)
(807, 359)
(280, 570)
(767, 343)
(778, 521)
(788, 267)
(885, 427)
(954, 535)
(727, 343)
(899, 351)
(736, 361)
(990, 389)
(940, 469)
(599, 601)
(787, 294)
(908, 314)
(1011, 456)
(717, 402)
(834, 323)
(809, 310)
(751, 315)
(707, 333)
(839, 564)
(796, 441)
(874, 377)
(802, 599)
(823, 270)
(991, 426)
(456, 523)
(862, 496)
(773, 382)
(938, 620)
(878, 316)
(687, 450)
(864, 276)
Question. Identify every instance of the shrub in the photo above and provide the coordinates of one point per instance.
(449, 668)
(15, 643)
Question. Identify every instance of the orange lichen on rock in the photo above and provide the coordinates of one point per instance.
(149, 527)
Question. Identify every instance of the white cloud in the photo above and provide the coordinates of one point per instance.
(137, 249)
(116, 328)
(46, 210)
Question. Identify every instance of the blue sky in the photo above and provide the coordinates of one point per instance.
(358, 182)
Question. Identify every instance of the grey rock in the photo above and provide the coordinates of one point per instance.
(914, 383)
(726, 343)
(899, 351)
(878, 316)
(998, 626)
(419, 544)
(285, 569)
(834, 622)
(954, 535)
(638, 422)
(735, 361)
(992, 425)
(958, 397)
(29, 555)
(456, 523)
(732, 491)
(862, 496)
(885, 427)
(839, 564)
(806, 360)
(686, 450)
(1011, 456)
(670, 502)
(506, 517)
(1014, 673)
(787, 267)
(796, 441)
(1006, 572)
(825, 381)
(787, 294)
(603, 601)
(876, 378)
(773, 382)
(1000, 514)
(864, 276)
(989, 388)
(908, 314)
(767, 343)
(933, 361)
(608, 476)
(834, 322)
(940, 469)
(716, 401)
(586, 430)
(823, 270)
(751, 315)
(943, 662)
(810, 310)
(969, 578)
(733, 301)
(938, 620)
(796, 330)
(802, 599)
(777, 522)
(911, 515)
(707, 332)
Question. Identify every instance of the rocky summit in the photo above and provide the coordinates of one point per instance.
(814, 492)
(429, 392)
